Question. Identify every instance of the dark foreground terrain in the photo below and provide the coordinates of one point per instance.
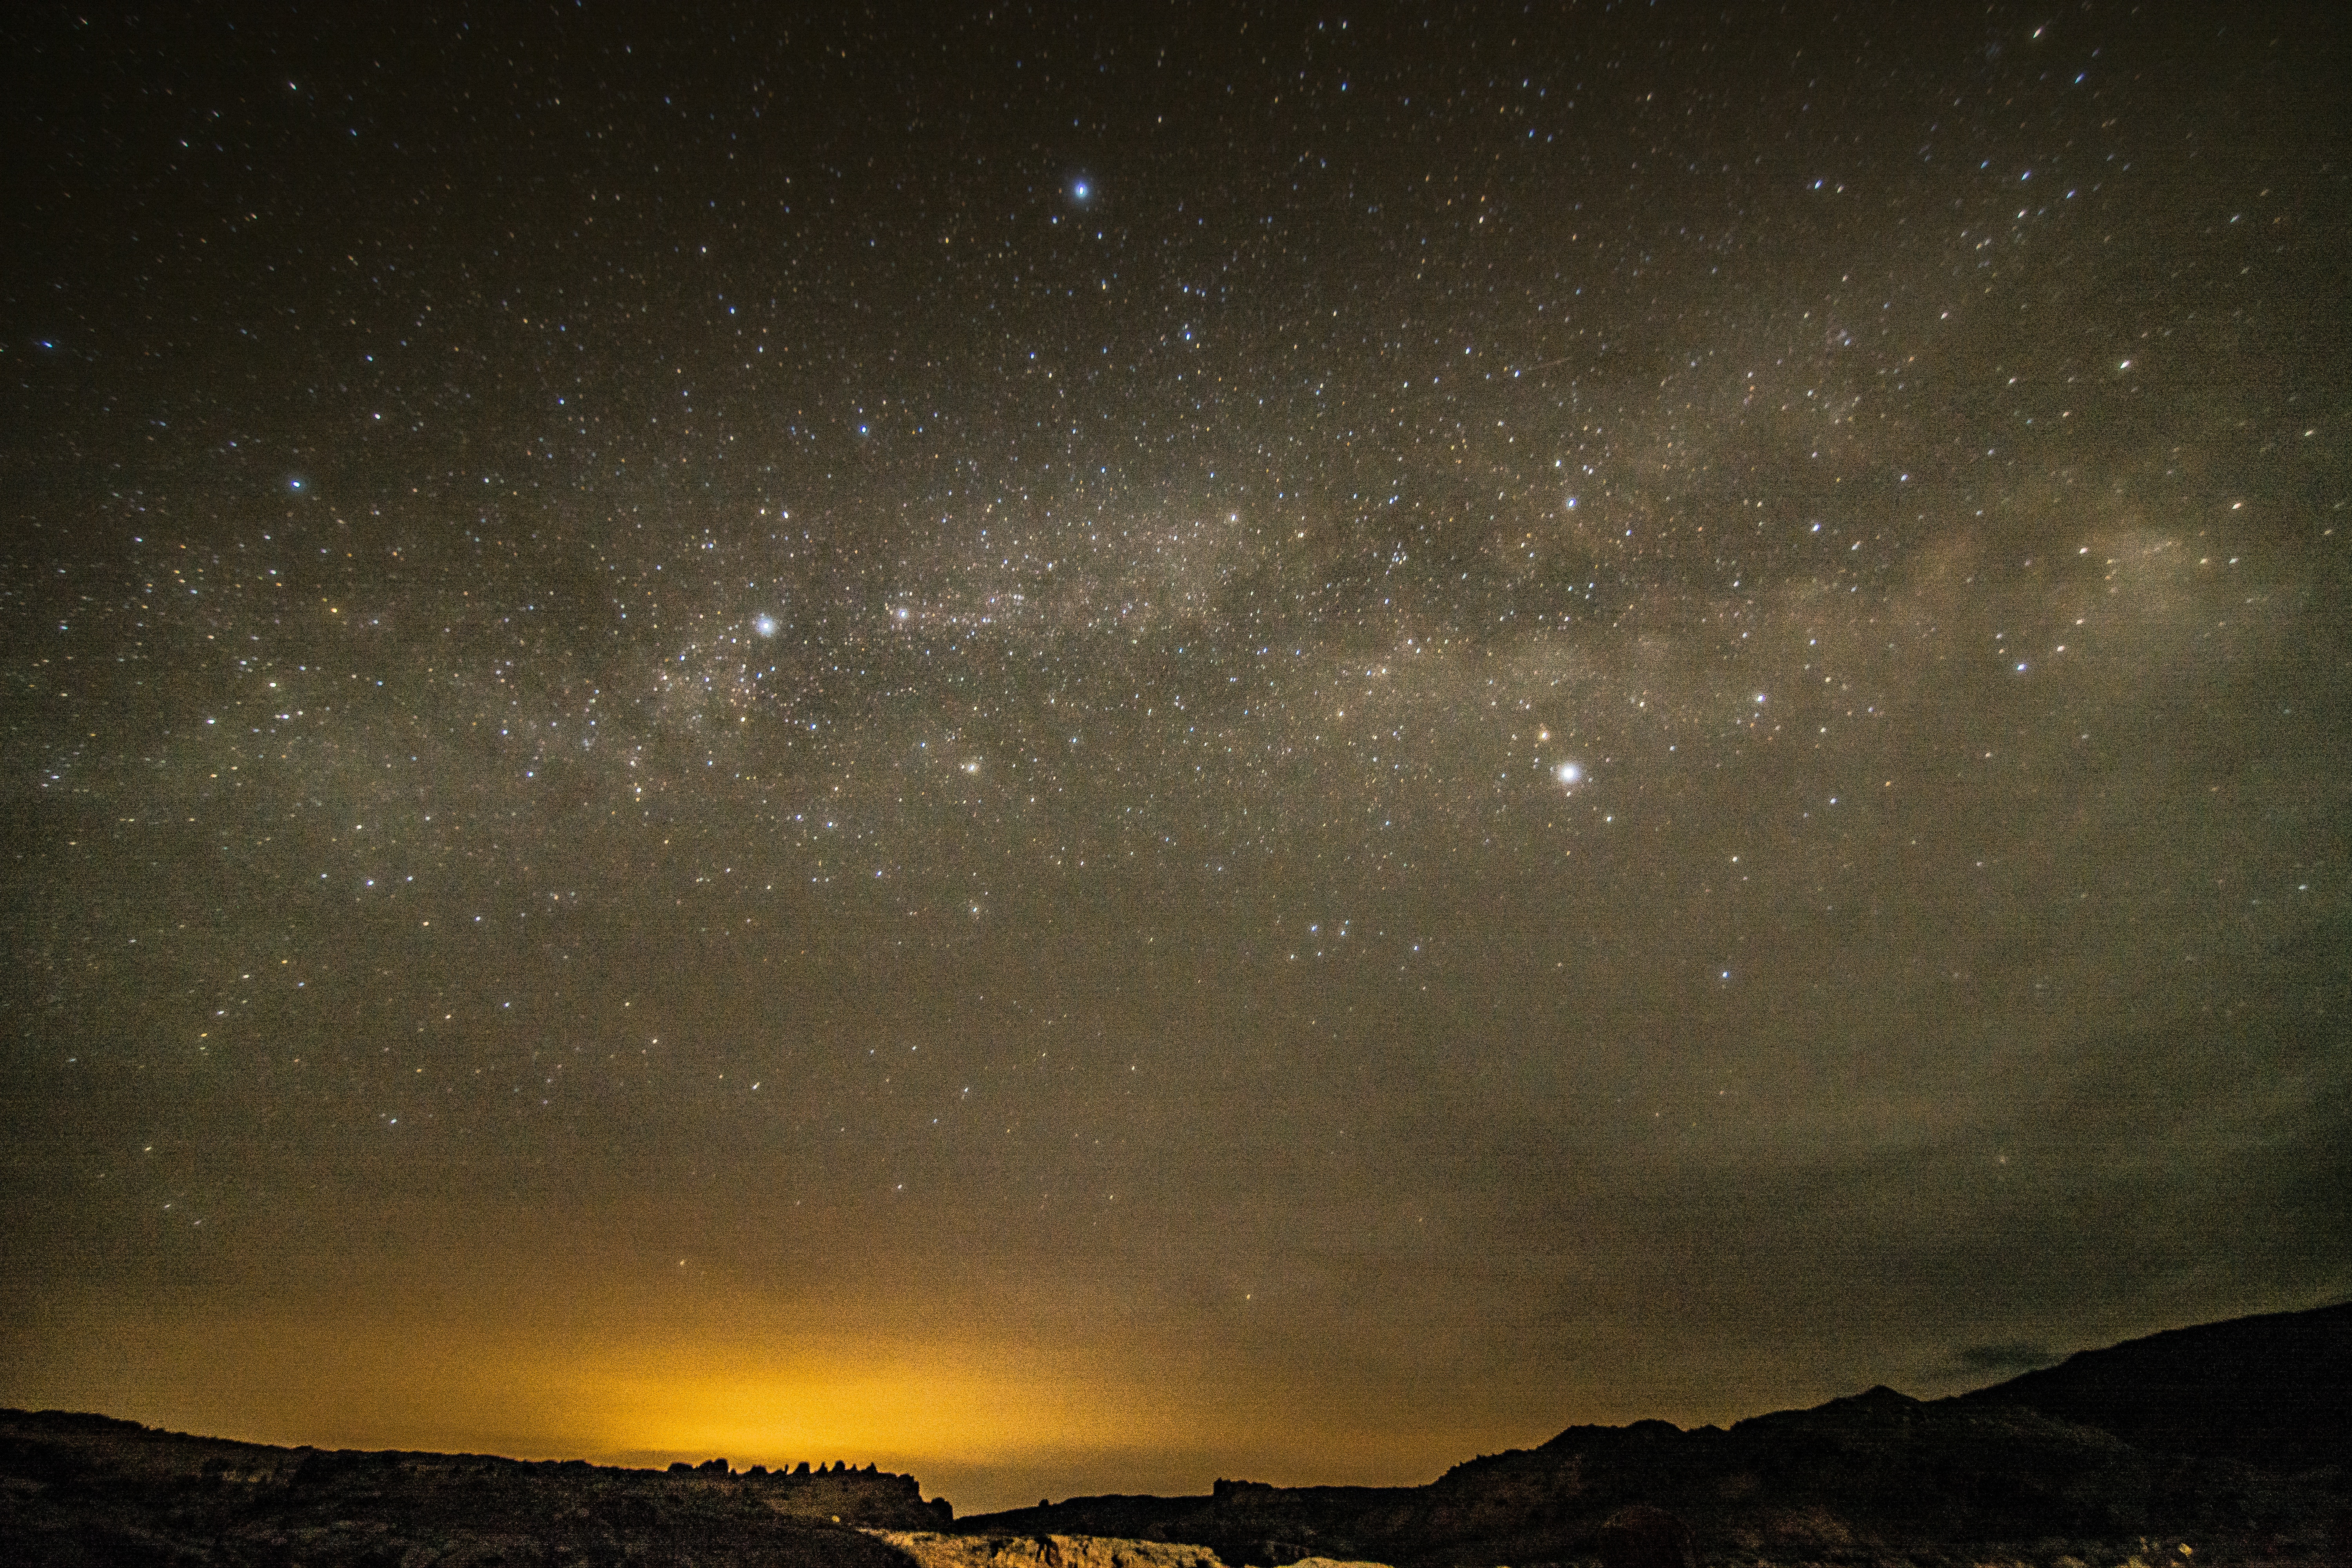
(2225, 1444)
(87, 1489)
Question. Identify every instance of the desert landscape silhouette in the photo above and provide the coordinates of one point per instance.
(2226, 1443)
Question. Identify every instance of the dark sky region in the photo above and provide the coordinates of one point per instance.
(1081, 748)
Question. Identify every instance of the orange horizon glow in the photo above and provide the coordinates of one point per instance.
(989, 1424)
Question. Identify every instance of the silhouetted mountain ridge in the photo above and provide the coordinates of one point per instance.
(2270, 1391)
(2070, 1460)
(2223, 1444)
(82, 1488)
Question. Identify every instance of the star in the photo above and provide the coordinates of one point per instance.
(513, 574)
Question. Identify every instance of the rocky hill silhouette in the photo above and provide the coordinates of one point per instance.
(2270, 1391)
(2232, 1440)
(88, 1490)
(2229, 1443)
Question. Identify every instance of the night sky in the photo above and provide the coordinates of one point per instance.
(1078, 751)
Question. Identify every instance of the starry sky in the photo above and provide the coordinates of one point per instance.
(1083, 748)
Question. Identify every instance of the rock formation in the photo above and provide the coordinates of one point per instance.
(2270, 1391)
(90, 1489)
(2229, 1444)
(2128, 1452)
(932, 1550)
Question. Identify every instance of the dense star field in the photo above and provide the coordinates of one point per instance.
(1080, 753)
